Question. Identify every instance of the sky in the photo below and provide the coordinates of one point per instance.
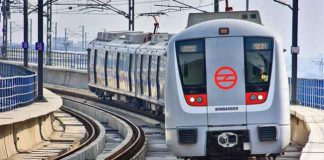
(274, 16)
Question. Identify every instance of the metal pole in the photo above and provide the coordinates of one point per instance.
(10, 33)
(55, 44)
(83, 43)
(25, 43)
(5, 10)
(295, 50)
(40, 50)
(65, 39)
(49, 35)
(131, 12)
(216, 6)
(247, 5)
(129, 15)
(30, 32)
(85, 40)
(133, 15)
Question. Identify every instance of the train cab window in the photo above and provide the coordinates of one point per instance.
(258, 63)
(191, 62)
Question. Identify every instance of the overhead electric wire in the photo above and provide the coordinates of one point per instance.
(101, 7)
(190, 6)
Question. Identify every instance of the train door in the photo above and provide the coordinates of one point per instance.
(225, 81)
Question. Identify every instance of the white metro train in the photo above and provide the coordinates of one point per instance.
(225, 90)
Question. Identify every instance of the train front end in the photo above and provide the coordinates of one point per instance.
(226, 91)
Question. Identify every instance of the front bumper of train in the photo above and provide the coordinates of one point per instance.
(198, 148)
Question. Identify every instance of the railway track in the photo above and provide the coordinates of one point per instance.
(154, 130)
(133, 144)
(78, 135)
(91, 127)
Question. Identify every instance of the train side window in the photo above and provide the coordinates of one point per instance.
(258, 63)
(125, 74)
(113, 69)
(100, 67)
(126, 65)
(137, 74)
(109, 67)
(95, 66)
(145, 75)
(111, 61)
(162, 76)
(154, 77)
(191, 63)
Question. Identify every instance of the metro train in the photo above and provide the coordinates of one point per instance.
(221, 85)
(130, 65)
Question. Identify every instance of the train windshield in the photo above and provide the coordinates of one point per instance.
(258, 63)
(191, 62)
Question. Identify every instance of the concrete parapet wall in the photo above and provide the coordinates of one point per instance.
(299, 132)
(46, 127)
(308, 130)
(23, 128)
(7, 145)
(65, 77)
(23, 136)
(27, 134)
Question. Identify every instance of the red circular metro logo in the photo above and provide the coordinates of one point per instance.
(225, 78)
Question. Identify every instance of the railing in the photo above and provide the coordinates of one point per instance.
(310, 92)
(17, 86)
(72, 60)
(69, 60)
(17, 54)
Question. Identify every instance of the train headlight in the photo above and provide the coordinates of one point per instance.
(256, 98)
(222, 140)
(228, 139)
(192, 100)
(196, 100)
(199, 99)
(260, 97)
(253, 97)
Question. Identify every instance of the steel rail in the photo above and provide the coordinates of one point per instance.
(132, 147)
(91, 127)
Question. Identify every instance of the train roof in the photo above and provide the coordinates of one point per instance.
(235, 27)
(131, 39)
(251, 16)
